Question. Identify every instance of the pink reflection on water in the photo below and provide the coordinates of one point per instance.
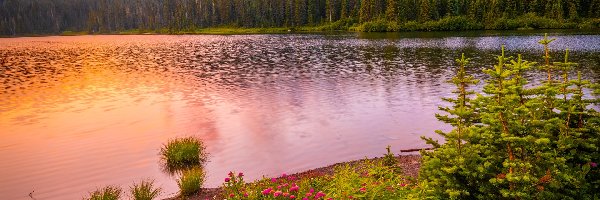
(97, 120)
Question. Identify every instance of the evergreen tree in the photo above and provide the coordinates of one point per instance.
(535, 142)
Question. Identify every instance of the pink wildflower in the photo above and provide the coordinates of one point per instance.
(283, 175)
(278, 193)
(312, 190)
(241, 174)
(292, 197)
(279, 187)
(294, 188)
(230, 174)
(308, 194)
(273, 180)
(363, 189)
(227, 179)
(285, 194)
(320, 194)
(267, 191)
(231, 195)
(245, 194)
(403, 184)
(593, 164)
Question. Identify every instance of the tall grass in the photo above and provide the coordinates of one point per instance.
(106, 193)
(183, 153)
(191, 181)
(145, 190)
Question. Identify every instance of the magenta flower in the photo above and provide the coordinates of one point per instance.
(292, 197)
(267, 191)
(279, 187)
(278, 193)
(363, 189)
(320, 194)
(304, 198)
(285, 194)
(283, 175)
(312, 190)
(294, 188)
(403, 184)
(241, 174)
(308, 194)
(230, 174)
(227, 179)
(245, 194)
(231, 195)
(273, 180)
(593, 164)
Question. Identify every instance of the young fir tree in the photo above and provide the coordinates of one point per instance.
(517, 140)
(451, 165)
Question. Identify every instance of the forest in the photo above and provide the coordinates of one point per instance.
(21, 17)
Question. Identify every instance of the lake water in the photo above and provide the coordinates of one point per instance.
(82, 112)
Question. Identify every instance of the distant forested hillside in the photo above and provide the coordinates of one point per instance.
(19, 17)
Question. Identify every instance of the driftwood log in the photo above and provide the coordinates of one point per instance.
(413, 150)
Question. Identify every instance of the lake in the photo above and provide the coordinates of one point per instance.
(82, 112)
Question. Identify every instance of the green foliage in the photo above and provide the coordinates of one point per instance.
(144, 190)
(340, 25)
(378, 26)
(590, 24)
(516, 140)
(182, 153)
(106, 193)
(529, 20)
(389, 159)
(191, 181)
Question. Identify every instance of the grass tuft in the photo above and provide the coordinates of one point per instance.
(145, 190)
(183, 153)
(106, 193)
(191, 181)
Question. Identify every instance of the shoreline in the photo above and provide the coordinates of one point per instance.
(259, 31)
(409, 163)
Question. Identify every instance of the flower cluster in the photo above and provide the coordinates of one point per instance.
(369, 180)
(234, 186)
(286, 187)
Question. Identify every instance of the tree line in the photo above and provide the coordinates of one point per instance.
(19, 17)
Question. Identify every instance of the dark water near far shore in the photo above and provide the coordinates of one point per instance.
(82, 112)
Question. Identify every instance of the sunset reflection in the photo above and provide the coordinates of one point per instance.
(77, 113)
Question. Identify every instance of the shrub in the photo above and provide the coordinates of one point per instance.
(106, 193)
(378, 26)
(590, 24)
(516, 142)
(456, 23)
(340, 25)
(144, 190)
(191, 181)
(529, 20)
(183, 153)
